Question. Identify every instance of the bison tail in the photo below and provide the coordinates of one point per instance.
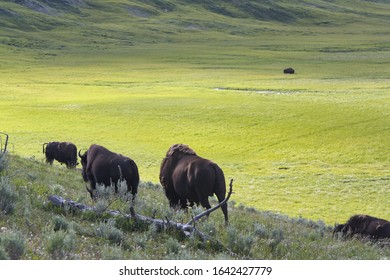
(219, 184)
(135, 178)
(44, 147)
(220, 189)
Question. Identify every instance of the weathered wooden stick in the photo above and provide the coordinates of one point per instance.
(62, 202)
(6, 141)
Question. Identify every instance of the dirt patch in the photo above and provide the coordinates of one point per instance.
(258, 91)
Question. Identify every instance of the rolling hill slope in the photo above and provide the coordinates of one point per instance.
(62, 23)
(31, 228)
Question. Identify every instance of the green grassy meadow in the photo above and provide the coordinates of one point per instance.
(314, 144)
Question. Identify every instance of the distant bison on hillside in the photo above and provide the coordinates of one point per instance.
(188, 179)
(101, 166)
(63, 152)
(365, 225)
(289, 71)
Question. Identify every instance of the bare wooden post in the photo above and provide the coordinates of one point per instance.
(6, 142)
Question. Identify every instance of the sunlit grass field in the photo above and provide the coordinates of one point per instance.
(314, 144)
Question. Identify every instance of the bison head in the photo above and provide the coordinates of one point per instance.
(83, 160)
(338, 228)
(383, 231)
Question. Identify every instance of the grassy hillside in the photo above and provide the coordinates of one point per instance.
(139, 76)
(61, 25)
(32, 228)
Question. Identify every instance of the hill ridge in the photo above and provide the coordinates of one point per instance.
(69, 23)
(284, 12)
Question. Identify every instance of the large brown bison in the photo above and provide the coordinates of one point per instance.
(101, 166)
(188, 179)
(365, 225)
(63, 152)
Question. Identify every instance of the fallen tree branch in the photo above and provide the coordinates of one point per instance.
(187, 229)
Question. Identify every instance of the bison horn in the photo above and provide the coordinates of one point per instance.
(80, 153)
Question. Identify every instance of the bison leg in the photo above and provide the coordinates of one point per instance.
(133, 188)
(115, 185)
(205, 203)
(172, 197)
(225, 212)
(133, 192)
(92, 183)
(70, 164)
(224, 207)
(184, 203)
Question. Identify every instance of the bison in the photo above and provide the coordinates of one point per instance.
(190, 179)
(289, 71)
(365, 225)
(101, 166)
(63, 152)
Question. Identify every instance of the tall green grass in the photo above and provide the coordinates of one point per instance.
(38, 230)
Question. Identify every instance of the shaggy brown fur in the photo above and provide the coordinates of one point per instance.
(101, 166)
(365, 225)
(190, 179)
(63, 152)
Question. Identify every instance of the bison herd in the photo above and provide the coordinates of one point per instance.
(187, 179)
